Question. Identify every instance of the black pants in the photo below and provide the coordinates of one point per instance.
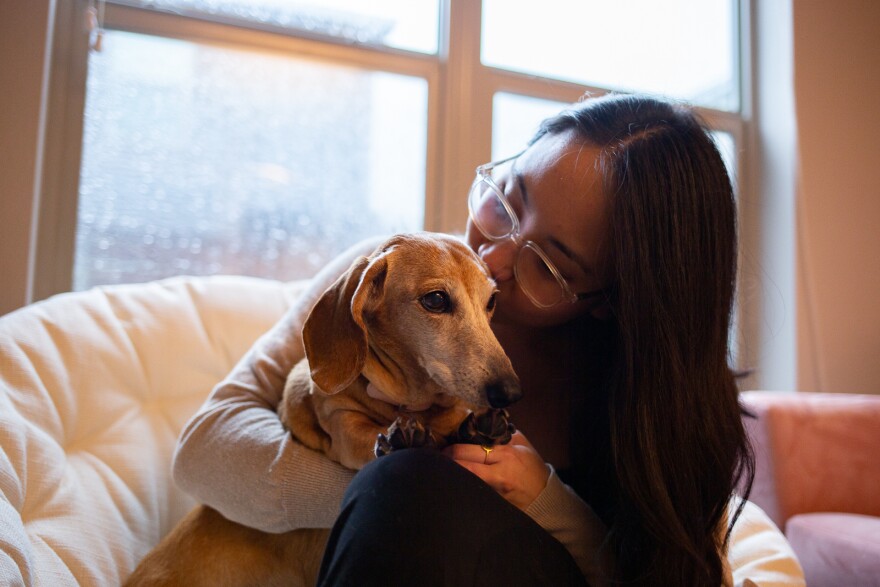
(417, 518)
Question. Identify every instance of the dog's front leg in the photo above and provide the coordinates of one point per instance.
(352, 437)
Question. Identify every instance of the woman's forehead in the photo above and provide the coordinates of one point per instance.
(561, 161)
(565, 153)
(551, 150)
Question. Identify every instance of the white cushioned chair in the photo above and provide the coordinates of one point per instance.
(95, 387)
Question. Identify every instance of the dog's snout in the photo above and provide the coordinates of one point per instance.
(503, 393)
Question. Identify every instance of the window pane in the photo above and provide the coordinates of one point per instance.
(685, 49)
(202, 160)
(404, 24)
(515, 120)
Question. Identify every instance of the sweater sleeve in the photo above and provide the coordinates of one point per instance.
(569, 519)
(235, 455)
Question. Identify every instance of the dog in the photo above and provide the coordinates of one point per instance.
(399, 353)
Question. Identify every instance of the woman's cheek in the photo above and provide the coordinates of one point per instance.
(515, 308)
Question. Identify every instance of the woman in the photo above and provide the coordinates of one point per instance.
(612, 238)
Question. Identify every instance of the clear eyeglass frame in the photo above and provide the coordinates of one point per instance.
(476, 201)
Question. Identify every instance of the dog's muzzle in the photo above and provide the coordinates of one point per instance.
(503, 393)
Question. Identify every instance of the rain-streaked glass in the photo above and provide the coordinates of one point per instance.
(203, 160)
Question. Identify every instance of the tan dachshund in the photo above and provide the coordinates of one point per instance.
(399, 353)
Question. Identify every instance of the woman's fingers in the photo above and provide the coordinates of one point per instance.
(514, 470)
(474, 453)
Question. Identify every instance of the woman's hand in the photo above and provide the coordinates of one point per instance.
(514, 470)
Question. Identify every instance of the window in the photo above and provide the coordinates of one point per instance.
(262, 137)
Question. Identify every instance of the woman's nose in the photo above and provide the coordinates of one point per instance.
(500, 257)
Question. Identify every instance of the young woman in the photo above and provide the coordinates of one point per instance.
(612, 238)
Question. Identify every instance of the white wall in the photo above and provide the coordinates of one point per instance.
(837, 84)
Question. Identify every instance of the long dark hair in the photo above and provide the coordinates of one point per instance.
(669, 448)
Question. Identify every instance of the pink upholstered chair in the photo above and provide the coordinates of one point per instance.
(818, 478)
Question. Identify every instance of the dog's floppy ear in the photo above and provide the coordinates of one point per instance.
(334, 334)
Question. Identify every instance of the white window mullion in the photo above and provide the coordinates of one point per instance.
(538, 87)
(467, 111)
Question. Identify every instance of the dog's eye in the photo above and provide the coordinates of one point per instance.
(436, 301)
(491, 305)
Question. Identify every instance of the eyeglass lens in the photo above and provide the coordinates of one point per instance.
(536, 278)
(488, 211)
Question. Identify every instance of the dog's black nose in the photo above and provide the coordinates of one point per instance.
(501, 394)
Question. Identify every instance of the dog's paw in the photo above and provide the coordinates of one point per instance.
(403, 433)
(490, 427)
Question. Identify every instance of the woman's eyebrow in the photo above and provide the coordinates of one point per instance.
(582, 263)
(521, 184)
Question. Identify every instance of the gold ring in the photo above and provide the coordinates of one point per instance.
(487, 449)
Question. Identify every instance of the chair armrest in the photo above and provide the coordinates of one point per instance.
(815, 452)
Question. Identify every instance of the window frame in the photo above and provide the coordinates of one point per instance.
(460, 95)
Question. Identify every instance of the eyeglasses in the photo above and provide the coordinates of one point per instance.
(492, 214)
